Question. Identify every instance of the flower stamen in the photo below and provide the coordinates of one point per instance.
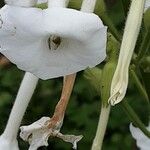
(54, 42)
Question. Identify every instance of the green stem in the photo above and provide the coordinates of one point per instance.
(139, 84)
(144, 46)
(134, 117)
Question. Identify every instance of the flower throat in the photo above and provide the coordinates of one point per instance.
(54, 42)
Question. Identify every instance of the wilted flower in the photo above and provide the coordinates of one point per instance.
(120, 78)
(53, 42)
(143, 142)
(37, 134)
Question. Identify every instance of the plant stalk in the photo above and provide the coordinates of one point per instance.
(134, 118)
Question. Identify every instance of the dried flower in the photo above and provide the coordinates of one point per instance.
(37, 134)
(120, 79)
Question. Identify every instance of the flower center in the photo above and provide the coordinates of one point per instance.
(54, 42)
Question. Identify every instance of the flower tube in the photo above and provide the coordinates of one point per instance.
(8, 138)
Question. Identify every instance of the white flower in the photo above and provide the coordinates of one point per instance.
(132, 28)
(53, 42)
(143, 142)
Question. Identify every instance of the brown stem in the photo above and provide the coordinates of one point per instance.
(64, 99)
(4, 62)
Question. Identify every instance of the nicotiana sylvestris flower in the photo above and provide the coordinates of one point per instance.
(120, 79)
(38, 133)
(143, 142)
(53, 42)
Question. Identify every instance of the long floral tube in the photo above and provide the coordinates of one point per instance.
(132, 28)
(88, 5)
(24, 95)
(65, 96)
(102, 125)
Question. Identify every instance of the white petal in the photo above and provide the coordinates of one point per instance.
(83, 40)
(7, 144)
(143, 142)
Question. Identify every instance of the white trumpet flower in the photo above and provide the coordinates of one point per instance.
(38, 133)
(132, 28)
(53, 42)
(143, 142)
(48, 43)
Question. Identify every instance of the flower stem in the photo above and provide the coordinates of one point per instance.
(24, 95)
(144, 46)
(57, 3)
(88, 5)
(103, 120)
(138, 83)
(134, 117)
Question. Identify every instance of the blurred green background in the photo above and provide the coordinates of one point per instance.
(84, 107)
